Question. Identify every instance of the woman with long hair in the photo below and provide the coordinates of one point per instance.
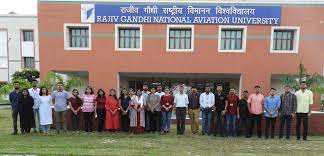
(112, 107)
(88, 100)
(137, 113)
(75, 103)
(124, 110)
(100, 111)
(45, 110)
(26, 111)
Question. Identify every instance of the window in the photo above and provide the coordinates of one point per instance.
(128, 37)
(28, 62)
(180, 38)
(77, 36)
(284, 39)
(232, 39)
(28, 35)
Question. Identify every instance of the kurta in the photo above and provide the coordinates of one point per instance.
(45, 110)
(26, 111)
(112, 120)
(137, 115)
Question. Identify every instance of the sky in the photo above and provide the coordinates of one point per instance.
(28, 7)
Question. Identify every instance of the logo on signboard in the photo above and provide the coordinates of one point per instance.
(87, 13)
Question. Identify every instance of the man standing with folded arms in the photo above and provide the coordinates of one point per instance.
(181, 102)
(287, 111)
(255, 106)
(304, 103)
(207, 101)
(194, 110)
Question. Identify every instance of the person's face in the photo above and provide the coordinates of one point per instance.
(44, 90)
(257, 90)
(100, 92)
(75, 93)
(131, 92)
(88, 90)
(181, 89)
(159, 88)
(112, 92)
(59, 87)
(153, 90)
(194, 90)
(219, 88)
(25, 93)
(138, 93)
(34, 83)
(16, 85)
(232, 91)
(303, 85)
(272, 92)
(287, 89)
(167, 91)
(207, 89)
(145, 87)
(245, 94)
(124, 92)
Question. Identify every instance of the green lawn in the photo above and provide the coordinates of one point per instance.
(148, 144)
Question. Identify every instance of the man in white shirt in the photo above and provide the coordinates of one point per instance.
(207, 101)
(34, 93)
(181, 102)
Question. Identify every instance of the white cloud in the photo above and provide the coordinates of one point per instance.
(19, 6)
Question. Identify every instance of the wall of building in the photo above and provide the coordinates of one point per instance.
(256, 64)
(16, 48)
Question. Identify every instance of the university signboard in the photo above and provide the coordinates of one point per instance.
(180, 14)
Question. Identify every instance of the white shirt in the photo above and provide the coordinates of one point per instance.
(207, 100)
(181, 100)
(34, 93)
(140, 100)
(160, 94)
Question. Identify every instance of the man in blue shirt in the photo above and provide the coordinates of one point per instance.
(13, 98)
(271, 106)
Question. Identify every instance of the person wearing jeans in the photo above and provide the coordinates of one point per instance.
(255, 106)
(271, 106)
(287, 111)
(60, 101)
(303, 112)
(232, 112)
(167, 105)
(181, 102)
(34, 93)
(13, 98)
(207, 101)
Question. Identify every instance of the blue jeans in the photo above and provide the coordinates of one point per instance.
(166, 120)
(231, 119)
(46, 128)
(34, 122)
(206, 121)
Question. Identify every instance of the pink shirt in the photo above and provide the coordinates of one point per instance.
(256, 103)
(88, 103)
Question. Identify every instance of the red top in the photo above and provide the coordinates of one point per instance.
(167, 100)
(112, 103)
(232, 104)
(101, 102)
(75, 102)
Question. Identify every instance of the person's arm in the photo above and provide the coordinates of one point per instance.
(294, 99)
(265, 106)
(53, 98)
(70, 105)
(10, 98)
(226, 104)
(249, 101)
(157, 103)
(310, 103)
(120, 106)
(278, 105)
(201, 101)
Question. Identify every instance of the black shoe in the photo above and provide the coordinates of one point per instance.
(14, 133)
(58, 131)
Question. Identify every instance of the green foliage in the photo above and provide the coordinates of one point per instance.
(8, 87)
(315, 81)
(26, 74)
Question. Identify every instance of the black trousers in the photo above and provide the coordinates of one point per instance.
(87, 117)
(244, 126)
(302, 117)
(255, 119)
(181, 119)
(75, 121)
(14, 115)
(220, 124)
(155, 121)
(101, 116)
(270, 122)
(124, 122)
(285, 119)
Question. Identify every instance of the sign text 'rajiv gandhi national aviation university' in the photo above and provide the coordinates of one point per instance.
(180, 14)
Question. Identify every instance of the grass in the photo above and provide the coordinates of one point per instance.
(148, 144)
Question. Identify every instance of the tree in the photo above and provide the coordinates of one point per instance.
(26, 74)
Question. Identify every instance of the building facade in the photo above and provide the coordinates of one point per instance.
(92, 40)
(18, 44)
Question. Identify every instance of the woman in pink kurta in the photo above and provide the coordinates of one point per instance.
(112, 116)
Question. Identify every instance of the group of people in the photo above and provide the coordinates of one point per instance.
(147, 110)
